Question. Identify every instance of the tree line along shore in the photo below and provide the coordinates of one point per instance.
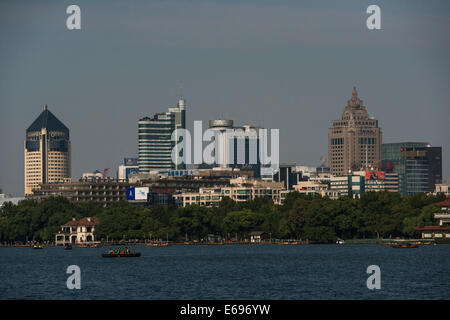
(309, 218)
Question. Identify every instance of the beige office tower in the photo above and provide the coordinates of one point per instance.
(354, 141)
(47, 152)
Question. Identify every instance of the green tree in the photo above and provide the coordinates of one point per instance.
(240, 222)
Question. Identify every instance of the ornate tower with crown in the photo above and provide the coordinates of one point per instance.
(354, 141)
(47, 151)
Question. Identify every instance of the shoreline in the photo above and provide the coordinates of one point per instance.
(281, 243)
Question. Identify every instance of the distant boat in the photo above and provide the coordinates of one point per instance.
(405, 245)
(67, 246)
(38, 246)
(87, 245)
(123, 255)
(340, 241)
(159, 244)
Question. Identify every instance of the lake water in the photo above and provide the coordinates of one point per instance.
(228, 272)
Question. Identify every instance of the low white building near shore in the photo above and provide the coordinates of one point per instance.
(77, 232)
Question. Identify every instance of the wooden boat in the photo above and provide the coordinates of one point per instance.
(67, 246)
(123, 255)
(156, 244)
(38, 246)
(87, 245)
(405, 245)
(289, 243)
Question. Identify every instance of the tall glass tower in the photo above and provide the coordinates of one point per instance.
(47, 151)
(155, 144)
(419, 165)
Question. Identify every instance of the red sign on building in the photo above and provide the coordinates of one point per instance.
(375, 175)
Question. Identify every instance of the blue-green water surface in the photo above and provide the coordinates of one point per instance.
(228, 272)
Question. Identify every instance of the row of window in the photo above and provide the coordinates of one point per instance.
(155, 137)
(365, 140)
(156, 130)
(362, 123)
(335, 141)
(335, 155)
(195, 199)
(368, 153)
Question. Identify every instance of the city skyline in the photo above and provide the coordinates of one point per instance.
(278, 77)
(181, 101)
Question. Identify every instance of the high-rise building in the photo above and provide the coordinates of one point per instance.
(354, 141)
(236, 147)
(47, 151)
(419, 165)
(179, 115)
(155, 144)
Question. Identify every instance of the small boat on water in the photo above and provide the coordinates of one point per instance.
(38, 246)
(159, 244)
(121, 255)
(87, 245)
(405, 245)
(67, 246)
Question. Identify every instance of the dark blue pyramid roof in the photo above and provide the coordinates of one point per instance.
(48, 120)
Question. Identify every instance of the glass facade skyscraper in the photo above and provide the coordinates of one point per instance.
(419, 166)
(155, 144)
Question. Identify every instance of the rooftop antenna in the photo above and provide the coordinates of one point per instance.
(181, 102)
(181, 89)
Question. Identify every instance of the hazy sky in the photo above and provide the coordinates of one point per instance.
(278, 64)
